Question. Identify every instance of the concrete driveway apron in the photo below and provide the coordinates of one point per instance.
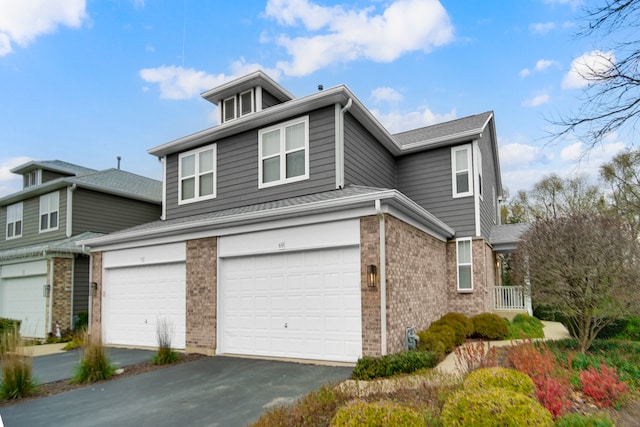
(215, 391)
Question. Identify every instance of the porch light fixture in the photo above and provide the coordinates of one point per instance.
(372, 276)
(94, 287)
(46, 291)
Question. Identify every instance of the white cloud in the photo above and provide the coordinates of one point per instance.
(21, 22)
(181, 83)
(537, 100)
(572, 152)
(586, 68)
(10, 182)
(386, 94)
(542, 27)
(518, 154)
(541, 65)
(340, 35)
(396, 121)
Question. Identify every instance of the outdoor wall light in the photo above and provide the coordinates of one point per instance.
(46, 291)
(94, 287)
(372, 276)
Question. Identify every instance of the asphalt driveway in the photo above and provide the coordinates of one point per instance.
(215, 391)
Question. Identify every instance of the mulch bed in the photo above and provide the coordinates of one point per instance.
(50, 389)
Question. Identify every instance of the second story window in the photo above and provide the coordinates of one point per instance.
(49, 208)
(197, 175)
(283, 152)
(461, 171)
(14, 221)
(33, 178)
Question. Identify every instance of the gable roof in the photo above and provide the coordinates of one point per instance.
(53, 165)
(348, 198)
(461, 129)
(111, 181)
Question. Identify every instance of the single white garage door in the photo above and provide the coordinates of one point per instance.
(23, 298)
(303, 304)
(136, 298)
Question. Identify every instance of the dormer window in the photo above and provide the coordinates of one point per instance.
(246, 103)
(33, 178)
(229, 107)
(238, 106)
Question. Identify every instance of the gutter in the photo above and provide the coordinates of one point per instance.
(340, 112)
(383, 279)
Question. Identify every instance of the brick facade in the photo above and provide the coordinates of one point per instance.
(370, 298)
(96, 295)
(201, 295)
(61, 291)
(484, 276)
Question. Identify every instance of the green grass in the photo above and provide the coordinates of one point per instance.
(525, 326)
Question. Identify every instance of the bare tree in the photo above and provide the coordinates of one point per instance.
(622, 173)
(583, 266)
(611, 100)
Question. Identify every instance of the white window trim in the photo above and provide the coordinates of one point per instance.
(49, 211)
(458, 264)
(197, 197)
(235, 109)
(28, 183)
(250, 91)
(18, 217)
(454, 150)
(478, 167)
(283, 165)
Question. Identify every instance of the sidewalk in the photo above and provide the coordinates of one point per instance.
(552, 331)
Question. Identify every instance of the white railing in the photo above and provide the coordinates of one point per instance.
(508, 298)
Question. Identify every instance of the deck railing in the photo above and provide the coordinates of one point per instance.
(508, 298)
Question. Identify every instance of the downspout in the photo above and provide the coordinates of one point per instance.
(163, 214)
(383, 281)
(90, 314)
(50, 319)
(339, 112)
(70, 190)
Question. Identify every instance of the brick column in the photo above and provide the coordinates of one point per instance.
(61, 292)
(201, 295)
(370, 297)
(95, 328)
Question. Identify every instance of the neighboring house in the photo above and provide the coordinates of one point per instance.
(301, 228)
(44, 274)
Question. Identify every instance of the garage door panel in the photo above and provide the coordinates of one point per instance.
(316, 293)
(137, 298)
(22, 298)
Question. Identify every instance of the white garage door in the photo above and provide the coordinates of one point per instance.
(296, 305)
(23, 298)
(136, 298)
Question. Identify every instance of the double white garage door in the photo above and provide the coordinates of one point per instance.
(296, 303)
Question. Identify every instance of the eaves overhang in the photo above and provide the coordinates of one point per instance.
(390, 198)
(247, 82)
(287, 110)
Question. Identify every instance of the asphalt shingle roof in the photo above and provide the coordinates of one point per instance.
(64, 246)
(506, 236)
(54, 165)
(441, 130)
(123, 182)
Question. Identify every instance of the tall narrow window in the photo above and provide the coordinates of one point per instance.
(197, 175)
(246, 103)
(465, 264)
(49, 211)
(14, 221)
(229, 107)
(284, 153)
(461, 171)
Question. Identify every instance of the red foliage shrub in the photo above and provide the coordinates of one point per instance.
(553, 394)
(603, 386)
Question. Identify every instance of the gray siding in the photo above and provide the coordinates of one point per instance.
(31, 224)
(105, 213)
(425, 177)
(366, 161)
(80, 284)
(268, 100)
(237, 171)
(488, 203)
(50, 175)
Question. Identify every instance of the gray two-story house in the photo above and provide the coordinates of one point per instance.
(301, 228)
(44, 274)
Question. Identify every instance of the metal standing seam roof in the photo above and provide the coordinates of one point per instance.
(273, 210)
(66, 246)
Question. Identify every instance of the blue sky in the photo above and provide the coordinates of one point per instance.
(85, 82)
